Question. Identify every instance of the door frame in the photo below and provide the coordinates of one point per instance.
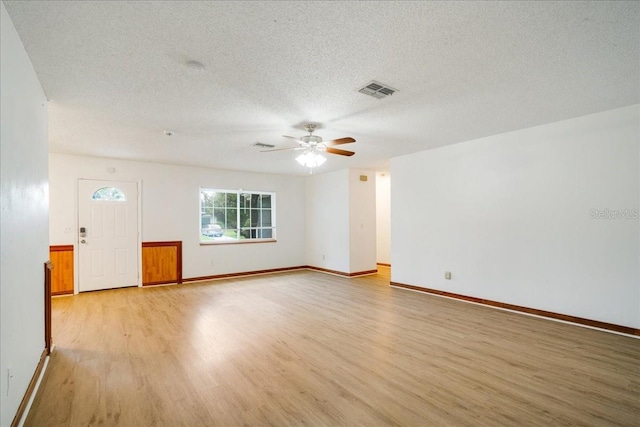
(76, 245)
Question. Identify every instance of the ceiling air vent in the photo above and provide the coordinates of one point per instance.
(377, 89)
(262, 145)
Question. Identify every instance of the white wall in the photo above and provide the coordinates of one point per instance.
(383, 218)
(170, 210)
(511, 217)
(341, 222)
(23, 220)
(362, 221)
(327, 220)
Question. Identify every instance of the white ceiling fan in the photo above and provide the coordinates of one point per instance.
(313, 146)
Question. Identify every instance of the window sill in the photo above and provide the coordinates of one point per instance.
(238, 242)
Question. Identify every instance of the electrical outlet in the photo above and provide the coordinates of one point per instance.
(447, 275)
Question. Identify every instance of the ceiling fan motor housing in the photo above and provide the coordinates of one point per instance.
(311, 139)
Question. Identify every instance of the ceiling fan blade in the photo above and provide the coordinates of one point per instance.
(340, 152)
(339, 141)
(283, 149)
(299, 141)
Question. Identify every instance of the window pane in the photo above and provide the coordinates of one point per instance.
(245, 200)
(255, 217)
(109, 194)
(206, 199)
(266, 218)
(219, 200)
(219, 216)
(267, 233)
(232, 218)
(232, 200)
(206, 217)
(255, 198)
(245, 218)
(266, 201)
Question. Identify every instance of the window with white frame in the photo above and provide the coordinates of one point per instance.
(234, 216)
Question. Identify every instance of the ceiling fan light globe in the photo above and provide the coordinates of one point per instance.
(310, 160)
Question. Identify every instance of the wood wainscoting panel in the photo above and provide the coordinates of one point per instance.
(161, 263)
(61, 257)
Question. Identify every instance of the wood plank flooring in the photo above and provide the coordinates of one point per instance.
(306, 348)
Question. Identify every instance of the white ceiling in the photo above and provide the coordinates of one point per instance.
(116, 76)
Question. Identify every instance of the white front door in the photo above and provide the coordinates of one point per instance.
(107, 235)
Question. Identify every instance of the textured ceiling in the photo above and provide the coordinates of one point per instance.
(116, 75)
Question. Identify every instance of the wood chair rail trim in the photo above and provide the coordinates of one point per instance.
(61, 248)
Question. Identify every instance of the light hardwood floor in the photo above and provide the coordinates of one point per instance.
(306, 348)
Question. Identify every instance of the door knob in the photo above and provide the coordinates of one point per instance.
(83, 241)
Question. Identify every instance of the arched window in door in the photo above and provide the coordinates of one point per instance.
(109, 194)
